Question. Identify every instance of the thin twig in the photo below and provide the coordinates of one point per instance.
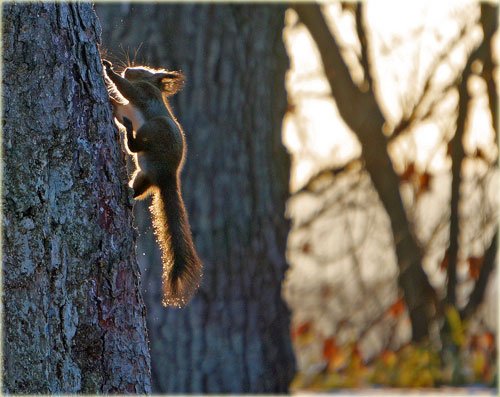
(364, 60)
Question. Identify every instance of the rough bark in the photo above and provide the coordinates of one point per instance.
(234, 336)
(74, 320)
(360, 111)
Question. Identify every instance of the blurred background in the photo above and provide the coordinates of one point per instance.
(342, 186)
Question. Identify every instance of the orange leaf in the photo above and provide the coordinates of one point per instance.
(339, 359)
(475, 266)
(301, 329)
(449, 148)
(424, 182)
(397, 308)
(487, 340)
(388, 357)
(306, 248)
(326, 291)
(408, 173)
(330, 348)
(444, 263)
(479, 154)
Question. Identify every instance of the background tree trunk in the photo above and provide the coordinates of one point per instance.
(366, 121)
(73, 316)
(234, 336)
(489, 23)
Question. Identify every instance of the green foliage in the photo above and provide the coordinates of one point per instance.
(467, 359)
(411, 366)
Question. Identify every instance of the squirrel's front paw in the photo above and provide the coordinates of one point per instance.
(107, 64)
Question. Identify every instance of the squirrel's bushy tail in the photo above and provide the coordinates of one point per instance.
(182, 269)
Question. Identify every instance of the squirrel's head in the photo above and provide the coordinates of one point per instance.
(166, 81)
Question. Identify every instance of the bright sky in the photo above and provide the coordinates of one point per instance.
(404, 40)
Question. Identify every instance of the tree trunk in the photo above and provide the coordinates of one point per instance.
(234, 336)
(489, 24)
(360, 111)
(73, 316)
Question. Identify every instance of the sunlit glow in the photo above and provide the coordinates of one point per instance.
(351, 231)
(405, 40)
(316, 135)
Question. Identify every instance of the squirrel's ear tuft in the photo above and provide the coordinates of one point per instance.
(170, 82)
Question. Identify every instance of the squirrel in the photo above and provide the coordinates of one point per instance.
(139, 100)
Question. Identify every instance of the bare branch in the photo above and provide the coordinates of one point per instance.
(365, 62)
(363, 115)
(458, 156)
(311, 186)
(489, 23)
(422, 108)
(477, 295)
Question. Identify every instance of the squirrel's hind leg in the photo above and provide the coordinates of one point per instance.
(141, 185)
